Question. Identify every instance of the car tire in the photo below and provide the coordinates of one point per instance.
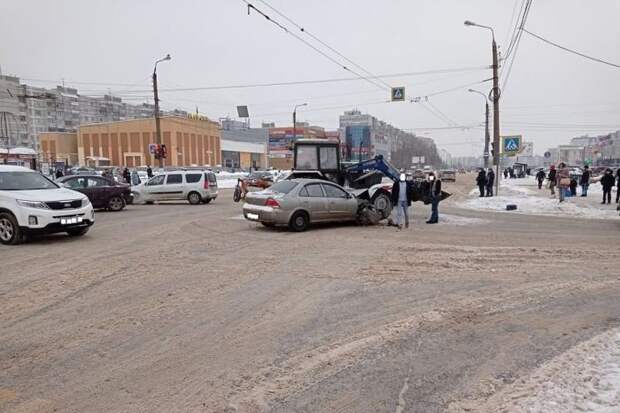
(194, 198)
(207, 200)
(116, 203)
(77, 232)
(299, 221)
(382, 203)
(10, 233)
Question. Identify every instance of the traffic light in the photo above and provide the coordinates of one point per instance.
(164, 152)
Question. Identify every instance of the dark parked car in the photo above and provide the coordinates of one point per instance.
(103, 193)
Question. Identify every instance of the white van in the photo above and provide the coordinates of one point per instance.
(196, 186)
(31, 204)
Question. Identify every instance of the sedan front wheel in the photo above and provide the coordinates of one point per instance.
(116, 203)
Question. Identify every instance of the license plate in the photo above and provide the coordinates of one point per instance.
(71, 220)
(253, 216)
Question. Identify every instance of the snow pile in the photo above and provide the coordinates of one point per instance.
(228, 180)
(584, 379)
(531, 201)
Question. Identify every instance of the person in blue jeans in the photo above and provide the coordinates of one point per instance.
(434, 188)
(402, 195)
(584, 181)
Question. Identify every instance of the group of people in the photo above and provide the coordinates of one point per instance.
(562, 179)
(485, 181)
(129, 177)
(402, 196)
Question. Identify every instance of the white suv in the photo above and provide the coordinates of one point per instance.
(32, 204)
(194, 185)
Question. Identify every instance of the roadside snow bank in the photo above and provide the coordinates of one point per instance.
(228, 180)
(460, 220)
(586, 378)
(530, 201)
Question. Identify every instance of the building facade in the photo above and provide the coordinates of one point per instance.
(189, 142)
(281, 142)
(244, 155)
(58, 147)
(363, 137)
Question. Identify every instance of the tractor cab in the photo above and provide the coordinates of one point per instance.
(317, 158)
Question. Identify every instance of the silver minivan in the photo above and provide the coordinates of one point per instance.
(195, 186)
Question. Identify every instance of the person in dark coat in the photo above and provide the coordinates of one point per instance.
(149, 171)
(573, 187)
(481, 181)
(59, 173)
(127, 176)
(552, 179)
(402, 195)
(505, 173)
(434, 189)
(607, 181)
(490, 181)
(540, 177)
(618, 186)
(584, 181)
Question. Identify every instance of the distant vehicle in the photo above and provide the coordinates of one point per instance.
(299, 203)
(263, 179)
(447, 175)
(520, 169)
(103, 193)
(462, 171)
(195, 186)
(31, 204)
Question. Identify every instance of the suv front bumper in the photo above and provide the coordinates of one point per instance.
(46, 221)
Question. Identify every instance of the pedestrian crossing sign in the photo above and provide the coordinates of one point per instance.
(511, 145)
(398, 94)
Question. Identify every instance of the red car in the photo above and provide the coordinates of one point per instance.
(103, 193)
(260, 180)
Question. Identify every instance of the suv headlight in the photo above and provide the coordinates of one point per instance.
(32, 204)
(85, 202)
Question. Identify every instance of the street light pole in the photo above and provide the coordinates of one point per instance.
(487, 138)
(494, 96)
(156, 97)
(295, 119)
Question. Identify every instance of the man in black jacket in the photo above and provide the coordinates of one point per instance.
(618, 185)
(434, 189)
(481, 181)
(490, 182)
(584, 181)
(402, 195)
(608, 182)
(540, 177)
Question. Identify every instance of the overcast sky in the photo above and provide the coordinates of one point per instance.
(549, 97)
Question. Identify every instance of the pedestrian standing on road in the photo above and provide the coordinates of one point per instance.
(552, 179)
(505, 173)
(540, 177)
(402, 195)
(490, 181)
(608, 182)
(481, 181)
(584, 181)
(563, 180)
(127, 176)
(149, 171)
(59, 173)
(434, 189)
(573, 187)
(618, 186)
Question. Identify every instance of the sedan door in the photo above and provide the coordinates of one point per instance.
(98, 189)
(341, 205)
(312, 199)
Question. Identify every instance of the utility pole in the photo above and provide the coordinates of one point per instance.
(295, 119)
(157, 122)
(495, 95)
(487, 138)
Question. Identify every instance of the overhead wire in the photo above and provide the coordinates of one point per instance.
(310, 45)
(513, 53)
(314, 37)
(570, 50)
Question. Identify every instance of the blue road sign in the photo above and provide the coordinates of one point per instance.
(512, 144)
(398, 93)
(547, 154)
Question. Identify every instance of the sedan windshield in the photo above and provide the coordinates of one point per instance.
(23, 181)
